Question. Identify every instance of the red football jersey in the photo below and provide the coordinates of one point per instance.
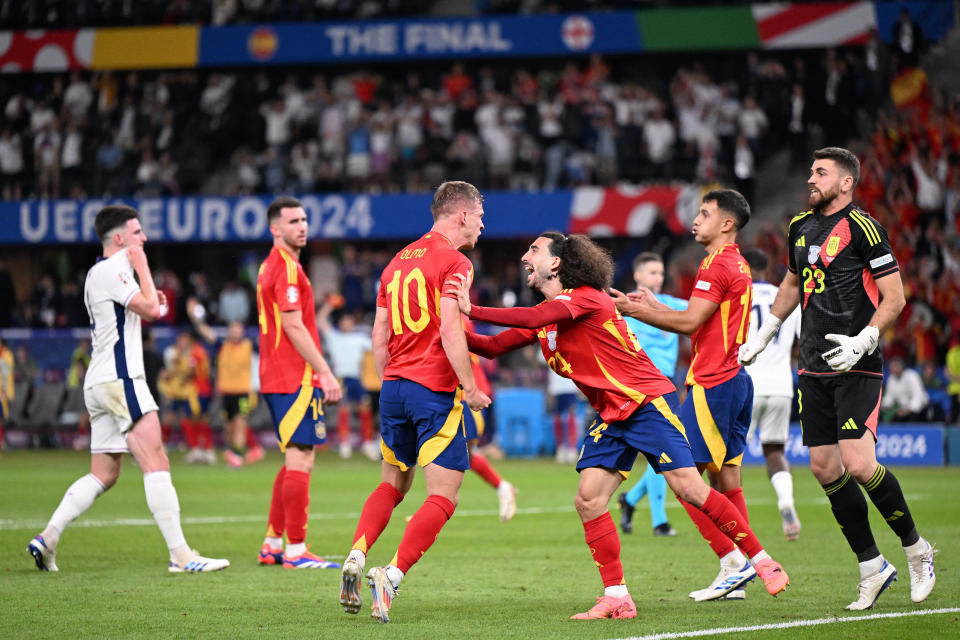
(201, 370)
(724, 278)
(614, 374)
(410, 290)
(283, 286)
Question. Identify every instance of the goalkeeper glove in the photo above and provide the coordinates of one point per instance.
(851, 348)
(757, 342)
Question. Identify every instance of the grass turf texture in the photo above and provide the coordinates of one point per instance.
(482, 579)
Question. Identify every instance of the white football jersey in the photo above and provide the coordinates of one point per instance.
(771, 372)
(557, 385)
(117, 343)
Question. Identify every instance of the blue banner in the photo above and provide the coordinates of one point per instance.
(410, 39)
(244, 219)
(898, 444)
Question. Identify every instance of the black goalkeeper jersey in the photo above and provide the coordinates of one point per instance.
(837, 259)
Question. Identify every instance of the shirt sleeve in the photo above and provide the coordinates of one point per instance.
(460, 265)
(711, 282)
(120, 285)
(287, 294)
(873, 244)
(382, 296)
(577, 302)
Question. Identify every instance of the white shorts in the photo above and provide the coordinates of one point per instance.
(771, 419)
(114, 408)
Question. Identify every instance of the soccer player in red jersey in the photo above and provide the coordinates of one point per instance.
(421, 354)
(583, 337)
(295, 381)
(719, 402)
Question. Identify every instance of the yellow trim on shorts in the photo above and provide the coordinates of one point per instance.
(738, 461)
(294, 415)
(708, 428)
(479, 422)
(193, 400)
(434, 446)
(390, 457)
(661, 405)
(6, 407)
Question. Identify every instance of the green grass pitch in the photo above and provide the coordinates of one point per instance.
(482, 579)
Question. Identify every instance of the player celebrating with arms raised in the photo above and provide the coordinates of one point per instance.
(421, 355)
(583, 337)
(843, 274)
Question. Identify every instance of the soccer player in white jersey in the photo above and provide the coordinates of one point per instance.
(123, 413)
(773, 391)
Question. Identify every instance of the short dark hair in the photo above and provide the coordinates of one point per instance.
(644, 258)
(111, 217)
(757, 260)
(732, 203)
(451, 192)
(845, 159)
(280, 203)
(582, 261)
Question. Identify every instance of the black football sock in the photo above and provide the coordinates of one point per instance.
(850, 509)
(887, 497)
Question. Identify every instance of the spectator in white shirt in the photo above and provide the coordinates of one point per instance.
(11, 165)
(904, 397)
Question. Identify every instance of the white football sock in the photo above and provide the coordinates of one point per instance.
(76, 500)
(165, 507)
(394, 575)
(782, 482)
(916, 548)
(763, 555)
(735, 559)
(617, 591)
(275, 543)
(358, 556)
(871, 567)
(294, 550)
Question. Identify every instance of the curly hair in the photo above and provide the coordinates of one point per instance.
(582, 261)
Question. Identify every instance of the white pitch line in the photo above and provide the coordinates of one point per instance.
(18, 525)
(790, 625)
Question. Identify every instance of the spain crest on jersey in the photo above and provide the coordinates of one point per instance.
(813, 252)
(833, 245)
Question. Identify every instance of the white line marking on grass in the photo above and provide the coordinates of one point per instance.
(791, 625)
(18, 525)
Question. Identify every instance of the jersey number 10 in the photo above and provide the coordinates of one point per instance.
(393, 290)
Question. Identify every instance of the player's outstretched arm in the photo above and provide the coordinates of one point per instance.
(504, 342)
(788, 297)
(296, 331)
(455, 346)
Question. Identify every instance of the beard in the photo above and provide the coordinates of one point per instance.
(822, 199)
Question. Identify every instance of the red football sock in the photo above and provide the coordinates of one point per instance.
(165, 430)
(189, 432)
(376, 515)
(736, 497)
(343, 426)
(572, 432)
(275, 522)
(204, 434)
(480, 464)
(604, 543)
(366, 423)
(252, 441)
(422, 530)
(731, 523)
(296, 505)
(717, 540)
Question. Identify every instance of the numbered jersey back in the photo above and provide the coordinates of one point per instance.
(410, 290)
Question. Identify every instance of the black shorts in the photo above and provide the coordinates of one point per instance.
(838, 408)
(236, 405)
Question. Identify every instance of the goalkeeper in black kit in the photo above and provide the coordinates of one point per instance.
(843, 273)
